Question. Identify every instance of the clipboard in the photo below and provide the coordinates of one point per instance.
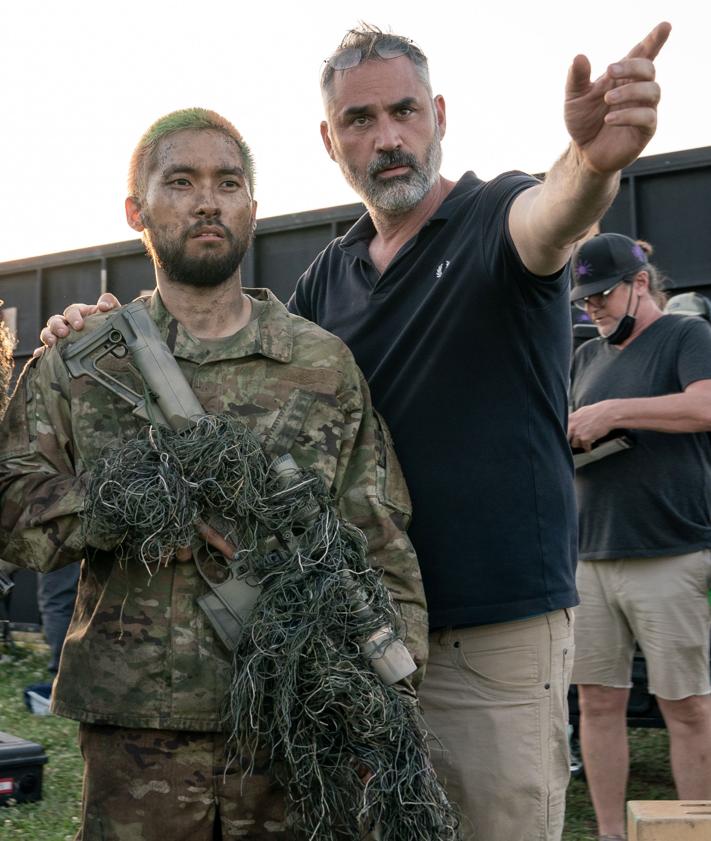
(615, 442)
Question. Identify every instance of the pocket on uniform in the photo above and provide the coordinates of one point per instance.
(391, 485)
(289, 422)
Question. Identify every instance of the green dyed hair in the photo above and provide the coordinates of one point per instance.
(195, 119)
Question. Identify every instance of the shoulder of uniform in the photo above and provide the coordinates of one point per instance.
(309, 335)
(307, 332)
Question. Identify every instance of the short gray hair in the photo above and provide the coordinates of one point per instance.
(365, 38)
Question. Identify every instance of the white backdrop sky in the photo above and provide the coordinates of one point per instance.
(80, 81)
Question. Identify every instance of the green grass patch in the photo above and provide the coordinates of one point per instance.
(56, 816)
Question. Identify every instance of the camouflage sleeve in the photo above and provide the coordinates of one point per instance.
(372, 494)
(40, 495)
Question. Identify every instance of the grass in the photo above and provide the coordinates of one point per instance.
(56, 816)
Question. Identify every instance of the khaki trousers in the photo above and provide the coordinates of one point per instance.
(495, 701)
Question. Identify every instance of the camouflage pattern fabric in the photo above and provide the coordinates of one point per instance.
(7, 345)
(139, 651)
(173, 785)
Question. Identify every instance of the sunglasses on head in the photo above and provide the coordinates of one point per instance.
(388, 47)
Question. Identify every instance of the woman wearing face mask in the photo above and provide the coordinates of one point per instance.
(644, 520)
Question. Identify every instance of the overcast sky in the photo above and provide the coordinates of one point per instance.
(81, 81)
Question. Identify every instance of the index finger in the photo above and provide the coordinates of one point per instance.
(650, 46)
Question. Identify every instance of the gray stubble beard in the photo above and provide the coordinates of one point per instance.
(401, 193)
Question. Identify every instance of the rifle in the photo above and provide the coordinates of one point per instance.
(169, 401)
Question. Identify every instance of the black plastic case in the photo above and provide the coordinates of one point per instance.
(20, 769)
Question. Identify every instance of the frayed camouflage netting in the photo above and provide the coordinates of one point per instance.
(350, 751)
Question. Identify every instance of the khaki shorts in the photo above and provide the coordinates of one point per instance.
(494, 698)
(661, 603)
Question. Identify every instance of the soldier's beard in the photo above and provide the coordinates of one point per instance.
(399, 193)
(209, 270)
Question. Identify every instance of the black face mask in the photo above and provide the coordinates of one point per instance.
(623, 331)
(625, 325)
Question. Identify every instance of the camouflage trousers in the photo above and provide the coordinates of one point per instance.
(172, 785)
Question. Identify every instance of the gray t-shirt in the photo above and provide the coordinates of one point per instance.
(655, 498)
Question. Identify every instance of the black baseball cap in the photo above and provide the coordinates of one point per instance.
(603, 261)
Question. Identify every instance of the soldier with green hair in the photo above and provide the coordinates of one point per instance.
(142, 670)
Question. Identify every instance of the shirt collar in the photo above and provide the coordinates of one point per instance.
(270, 334)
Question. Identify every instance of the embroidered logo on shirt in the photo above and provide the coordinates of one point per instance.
(441, 269)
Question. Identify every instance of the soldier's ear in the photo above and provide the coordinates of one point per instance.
(134, 213)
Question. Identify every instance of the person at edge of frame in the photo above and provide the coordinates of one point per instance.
(454, 302)
(56, 591)
(7, 346)
(644, 521)
(142, 669)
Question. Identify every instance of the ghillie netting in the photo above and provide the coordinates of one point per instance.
(302, 688)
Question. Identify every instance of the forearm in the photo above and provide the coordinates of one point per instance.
(391, 553)
(573, 197)
(40, 527)
(372, 494)
(548, 219)
(685, 412)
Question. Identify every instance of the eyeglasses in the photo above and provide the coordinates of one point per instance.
(389, 47)
(582, 303)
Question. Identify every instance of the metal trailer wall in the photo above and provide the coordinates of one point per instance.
(663, 199)
(38, 287)
(666, 200)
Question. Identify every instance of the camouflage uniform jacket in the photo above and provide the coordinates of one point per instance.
(139, 651)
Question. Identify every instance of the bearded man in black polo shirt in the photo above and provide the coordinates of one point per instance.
(645, 521)
(453, 300)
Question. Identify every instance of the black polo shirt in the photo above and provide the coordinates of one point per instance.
(467, 355)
